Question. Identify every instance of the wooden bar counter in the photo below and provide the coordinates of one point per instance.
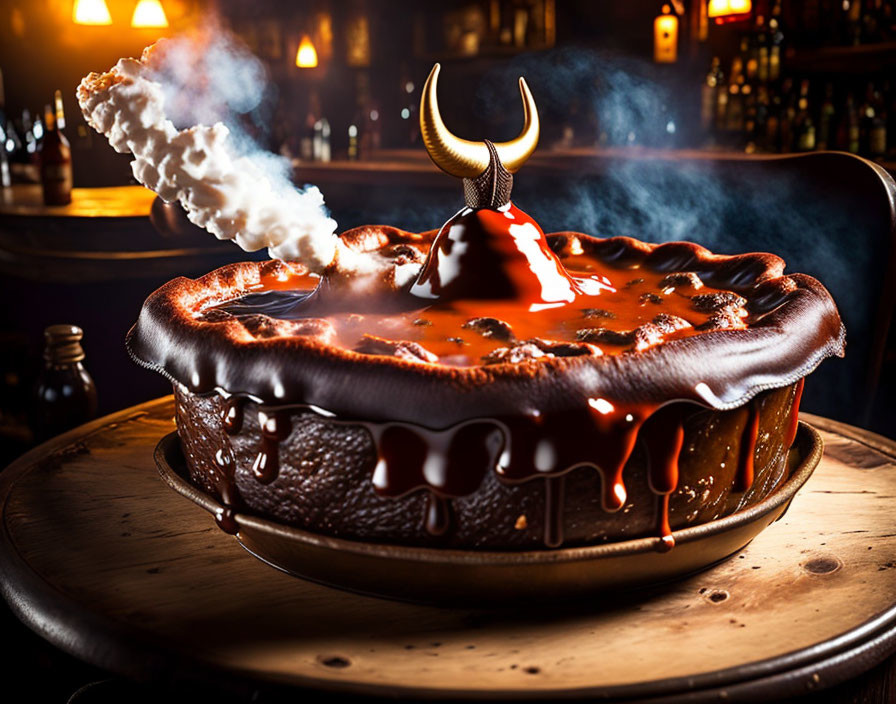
(104, 234)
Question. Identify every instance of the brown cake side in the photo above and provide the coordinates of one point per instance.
(325, 484)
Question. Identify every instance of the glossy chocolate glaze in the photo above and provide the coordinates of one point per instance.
(491, 255)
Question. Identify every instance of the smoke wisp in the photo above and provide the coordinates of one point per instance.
(181, 112)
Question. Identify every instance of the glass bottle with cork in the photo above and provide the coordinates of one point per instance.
(55, 158)
(64, 394)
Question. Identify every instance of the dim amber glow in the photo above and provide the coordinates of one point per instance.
(149, 13)
(92, 12)
(665, 37)
(726, 8)
(306, 56)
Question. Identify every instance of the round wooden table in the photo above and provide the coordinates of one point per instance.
(102, 559)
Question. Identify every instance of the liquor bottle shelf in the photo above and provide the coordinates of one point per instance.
(410, 166)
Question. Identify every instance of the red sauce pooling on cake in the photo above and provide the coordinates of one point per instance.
(616, 308)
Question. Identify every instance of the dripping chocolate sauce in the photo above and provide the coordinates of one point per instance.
(746, 470)
(225, 484)
(452, 463)
(275, 428)
(494, 252)
(438, 514)
(553, 511)
(664, 437)
(795, 412)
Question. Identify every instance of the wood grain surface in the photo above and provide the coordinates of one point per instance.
(103, 559)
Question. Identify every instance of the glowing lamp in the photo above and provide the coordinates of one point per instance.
(149, 13)
(93, 12)
(728, 10)
(306, 56)
(665, 37)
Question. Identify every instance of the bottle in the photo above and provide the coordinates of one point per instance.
(787, 117)
(374, 128)
(826, 115)
(709, 94)
(14, 146)
(804, 128)
(749, 101)
(3, 117)
(773, 122)
(361, 119)
(759, 138)
(866, 120)
(721, 110)
(409, 101)
(321, 143)
(776, 47)
(29, 152)
(762, 49)
(872, 11)
(5, 175)
(64, 395)
(853, 11)
(887, 22)
(851, 126)
(306, 142)
(877, 137)
(325, 151)
(890, 97)
(60, 111)
(352, 142)
(55, 163)
(749, 51)
(735, 117)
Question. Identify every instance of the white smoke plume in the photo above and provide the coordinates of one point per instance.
(174, 110)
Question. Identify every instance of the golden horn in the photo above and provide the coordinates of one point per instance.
(466, 159)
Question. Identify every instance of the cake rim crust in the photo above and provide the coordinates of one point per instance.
(799, 327)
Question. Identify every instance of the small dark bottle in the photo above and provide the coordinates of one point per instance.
(55, 161)
(64, 395)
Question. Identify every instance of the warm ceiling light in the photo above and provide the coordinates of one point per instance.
(727, 8)
(149, 13)
(91, 12)
(306, 56)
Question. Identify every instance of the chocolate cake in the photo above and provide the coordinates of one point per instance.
(487, 386)
(681, 388)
